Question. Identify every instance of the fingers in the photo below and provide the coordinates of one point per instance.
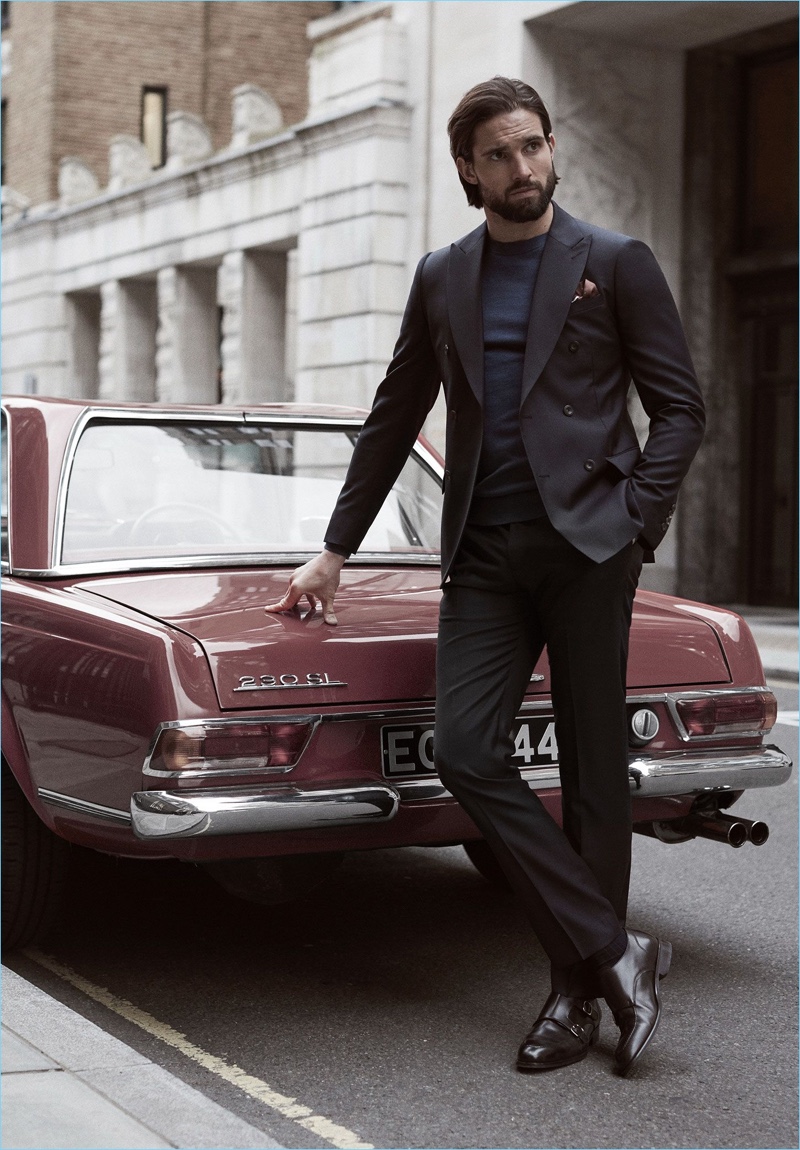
(314, 583)
(289, 601)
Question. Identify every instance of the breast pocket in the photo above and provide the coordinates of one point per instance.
(588, 303)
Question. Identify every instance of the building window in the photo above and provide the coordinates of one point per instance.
(5, 14)
(154, 124)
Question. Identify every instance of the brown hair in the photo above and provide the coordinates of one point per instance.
(481, 103)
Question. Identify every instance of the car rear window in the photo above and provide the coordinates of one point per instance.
(179, 489)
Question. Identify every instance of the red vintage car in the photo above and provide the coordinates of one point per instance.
(152, 709)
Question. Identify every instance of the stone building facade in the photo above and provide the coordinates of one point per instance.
(273, 261)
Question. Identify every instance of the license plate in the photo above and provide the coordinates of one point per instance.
(407, 752)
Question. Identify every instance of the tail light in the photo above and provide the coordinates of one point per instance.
(229, 747)
(728, 714)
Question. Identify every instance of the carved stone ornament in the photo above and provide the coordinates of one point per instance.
(128, 162)
(256, 116)
(188, 140)
(14, 204)
(76, 181)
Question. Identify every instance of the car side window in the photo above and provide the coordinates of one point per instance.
(4, 492)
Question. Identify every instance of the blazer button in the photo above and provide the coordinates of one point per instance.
(569, 409)
(573, 345)
(447, 349)
(588, 465)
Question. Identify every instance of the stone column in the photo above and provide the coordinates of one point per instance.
(352, 258)
(187, 341)
(128, 321)
(353, 248)
(252, 293)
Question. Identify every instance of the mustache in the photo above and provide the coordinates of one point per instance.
(519, 185)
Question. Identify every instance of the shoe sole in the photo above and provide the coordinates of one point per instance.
(663, 962)
(528, 1068)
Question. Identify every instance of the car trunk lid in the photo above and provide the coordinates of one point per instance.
(383, 649)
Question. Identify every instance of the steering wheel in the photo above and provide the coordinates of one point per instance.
(225, 533)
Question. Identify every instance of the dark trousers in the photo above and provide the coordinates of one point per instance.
(514, 589)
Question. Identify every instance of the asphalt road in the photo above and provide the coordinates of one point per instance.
(392, 1000)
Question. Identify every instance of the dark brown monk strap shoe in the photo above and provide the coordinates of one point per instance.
(631, 989)
(562, 1034)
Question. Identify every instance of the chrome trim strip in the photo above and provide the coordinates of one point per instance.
(83, 806)
(299, 420)
(61, 492)
(421, 714)
(189, 562)
(240, 810)
(5, 564)
(114, 415)
(216, 724)
(673, 773)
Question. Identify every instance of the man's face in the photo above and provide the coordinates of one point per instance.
(512, 165)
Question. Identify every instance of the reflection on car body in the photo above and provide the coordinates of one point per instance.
(151, 708)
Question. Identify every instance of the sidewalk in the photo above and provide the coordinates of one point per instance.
(67, 1085)
(775, 630)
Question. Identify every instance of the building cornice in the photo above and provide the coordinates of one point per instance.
(385, 118)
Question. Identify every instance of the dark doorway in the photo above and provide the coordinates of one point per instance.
(768, 319)
(739, 506)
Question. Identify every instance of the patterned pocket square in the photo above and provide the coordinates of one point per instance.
(585, 290)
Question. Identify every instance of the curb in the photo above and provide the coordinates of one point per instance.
(68, 1085)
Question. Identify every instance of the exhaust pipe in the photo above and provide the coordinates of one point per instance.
(757, 832)
(722, 828)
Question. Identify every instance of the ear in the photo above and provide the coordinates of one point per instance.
(551, 143)
(466, 170)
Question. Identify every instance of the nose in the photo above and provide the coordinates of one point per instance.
(522, 170)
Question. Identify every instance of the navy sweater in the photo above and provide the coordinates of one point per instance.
(505, 489)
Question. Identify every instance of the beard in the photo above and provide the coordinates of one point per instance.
(517, 210)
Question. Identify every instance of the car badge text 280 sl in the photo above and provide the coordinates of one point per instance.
(286, 682)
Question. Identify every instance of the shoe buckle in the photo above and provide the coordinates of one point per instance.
(587, 1008)
(578, 1031)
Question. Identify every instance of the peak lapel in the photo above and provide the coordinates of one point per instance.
(464, 305)
(563, 260)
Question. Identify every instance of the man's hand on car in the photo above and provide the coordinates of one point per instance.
(317, 580)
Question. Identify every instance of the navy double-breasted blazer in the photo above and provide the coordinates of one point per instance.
(599, 489)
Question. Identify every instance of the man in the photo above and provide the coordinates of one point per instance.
(536, 323)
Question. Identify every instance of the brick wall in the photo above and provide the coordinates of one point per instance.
(104, 54)
(78, 69)
(29, 90)
(257, 43)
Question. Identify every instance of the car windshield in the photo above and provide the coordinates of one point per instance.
(162, 490)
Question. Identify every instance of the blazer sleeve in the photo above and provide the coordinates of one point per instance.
(657, 357)
(401, 405)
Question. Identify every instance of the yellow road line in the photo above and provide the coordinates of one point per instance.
(336, 1135)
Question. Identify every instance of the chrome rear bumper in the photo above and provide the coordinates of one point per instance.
(253, 810)
(282, 807)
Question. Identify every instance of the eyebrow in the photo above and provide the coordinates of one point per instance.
(534, 139)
